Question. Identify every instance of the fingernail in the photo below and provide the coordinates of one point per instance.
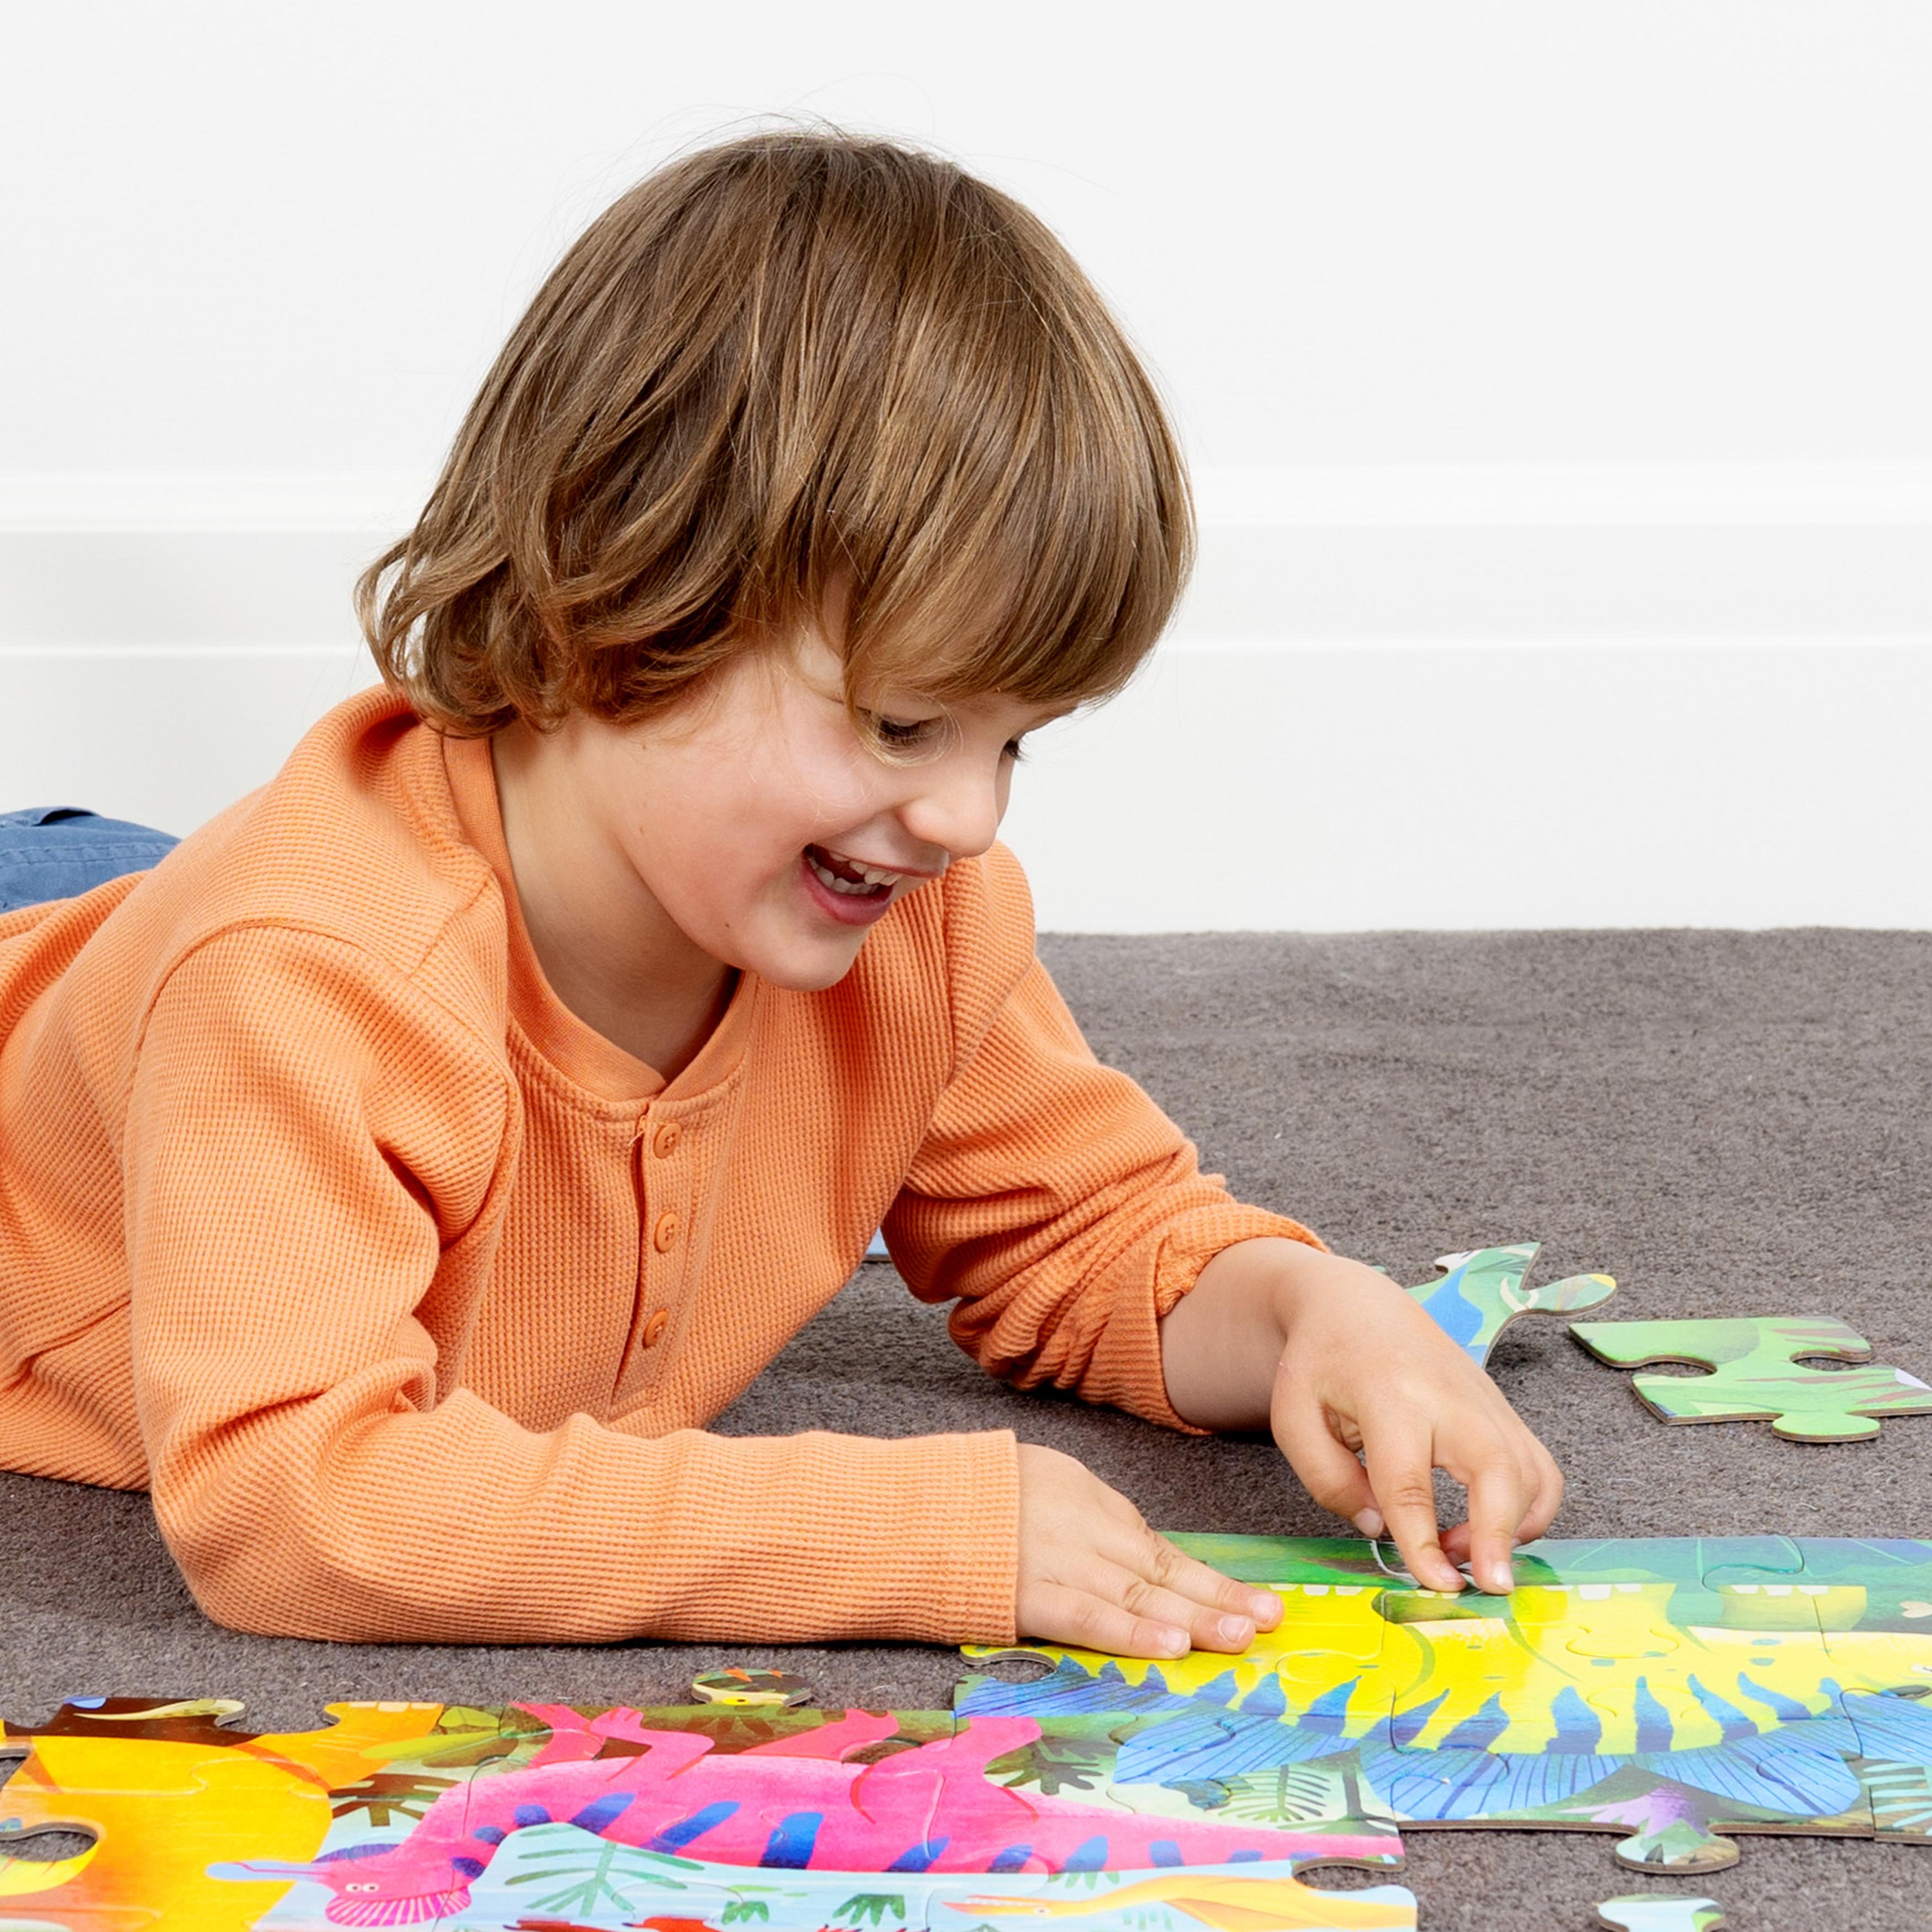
(1370, 1522)
(1267, 1611)
(1237, 1629)
(1502, 1579)
(1174, 1643)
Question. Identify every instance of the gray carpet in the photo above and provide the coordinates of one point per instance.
(1730, 1123)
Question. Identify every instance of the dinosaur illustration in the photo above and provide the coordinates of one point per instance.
(1228, 1903)
(796, 1802)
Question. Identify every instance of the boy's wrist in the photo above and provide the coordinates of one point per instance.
(1220, 1343)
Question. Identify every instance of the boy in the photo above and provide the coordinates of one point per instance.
(397, 1178)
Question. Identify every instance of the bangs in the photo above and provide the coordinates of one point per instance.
(1011, 511)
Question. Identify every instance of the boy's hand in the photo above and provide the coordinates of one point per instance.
(1363, 1367)
(1092, 1573)
(1356, 1365)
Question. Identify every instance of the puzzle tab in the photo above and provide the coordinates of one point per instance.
(1755, 1375)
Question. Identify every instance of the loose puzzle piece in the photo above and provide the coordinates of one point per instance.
(1647, 1912)
(1755, 1375)
(1481, 1293)
(777, 1688)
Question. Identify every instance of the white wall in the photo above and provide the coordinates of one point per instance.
(1556, 372)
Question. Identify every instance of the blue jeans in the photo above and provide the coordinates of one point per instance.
(59, 851)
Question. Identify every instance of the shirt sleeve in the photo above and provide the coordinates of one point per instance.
(1059, 1208)
(312, 1147)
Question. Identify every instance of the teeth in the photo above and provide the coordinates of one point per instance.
(874, 878)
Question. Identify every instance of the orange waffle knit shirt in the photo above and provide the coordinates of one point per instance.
(408, 1295)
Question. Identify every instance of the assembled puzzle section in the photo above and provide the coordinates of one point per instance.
(1480, 1293)
(1677, 1691)
(165, 1793)
(1756, 1376)
(477, 1819)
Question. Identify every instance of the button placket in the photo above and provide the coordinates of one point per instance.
(661, 1236)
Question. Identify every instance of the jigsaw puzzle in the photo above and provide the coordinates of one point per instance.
(1675, 1691)
(1480, 1293)
(471, 1820)
(1755, 1375)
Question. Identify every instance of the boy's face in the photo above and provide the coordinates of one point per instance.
(764, 830)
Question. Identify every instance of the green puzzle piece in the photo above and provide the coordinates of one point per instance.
(1755, 1376)
(1481, 1293)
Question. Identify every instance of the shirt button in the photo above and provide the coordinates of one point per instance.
(663, 1236)
(668, 1135)
(654, 1328)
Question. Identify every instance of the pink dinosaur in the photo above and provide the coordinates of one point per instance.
(793, 1802)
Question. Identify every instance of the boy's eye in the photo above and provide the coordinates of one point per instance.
(903, 731)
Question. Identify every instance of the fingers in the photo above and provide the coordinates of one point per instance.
(1092, 1573)
(1497, 1503)
(1328, 1469)
(1116, 1609)
(1528, 1469)
(1172, 1569)
(1401, 1467)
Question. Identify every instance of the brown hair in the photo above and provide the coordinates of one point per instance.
(788, 360)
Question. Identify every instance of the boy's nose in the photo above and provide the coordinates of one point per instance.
(959, 812)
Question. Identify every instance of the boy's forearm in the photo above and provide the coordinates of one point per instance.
(1220, 1343)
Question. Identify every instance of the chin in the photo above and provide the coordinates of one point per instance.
(805, 970)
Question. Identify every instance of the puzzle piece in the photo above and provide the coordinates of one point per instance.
(1767, 1561)
(1893, 1761)
(1481, 1293)
(165, 1791)
(186, 1721)
(1278, 1560)
(1330, 1632)
(153, 1848)
(1259, 1895)
(1298, 1779)
(1646, 1912)
(559, 1876)
(1756, 1376)
(1684, 1847)
(76, 1918)
(777, 1689)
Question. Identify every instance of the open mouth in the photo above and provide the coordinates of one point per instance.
(847, 877)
